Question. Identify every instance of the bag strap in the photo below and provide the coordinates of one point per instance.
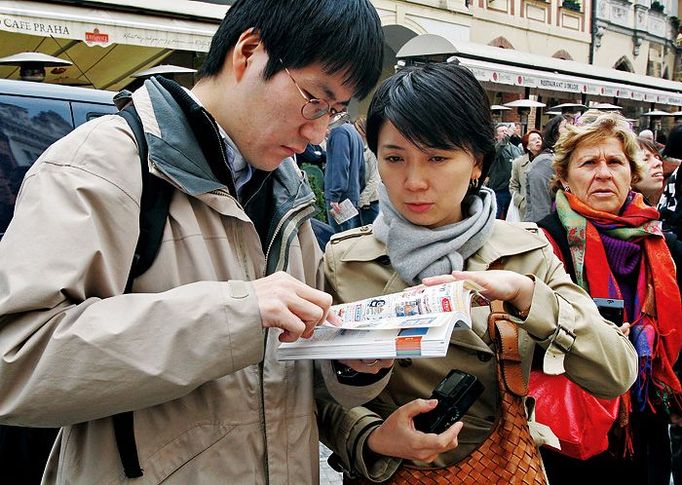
(505, 334)
(154, 206)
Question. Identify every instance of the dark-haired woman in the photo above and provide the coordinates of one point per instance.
(532, 146)
(431, 129)
(538, 195)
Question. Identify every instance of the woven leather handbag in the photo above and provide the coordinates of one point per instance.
(509, 455)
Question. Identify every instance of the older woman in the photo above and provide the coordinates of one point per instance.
(613, 247)
(431, 129)
(532, 146)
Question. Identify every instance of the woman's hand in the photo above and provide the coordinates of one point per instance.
(508, 286)
(398, 437)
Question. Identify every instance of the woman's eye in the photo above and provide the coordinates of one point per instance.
(587, 163)
(392, 158)
(615, 161)
(438, 159)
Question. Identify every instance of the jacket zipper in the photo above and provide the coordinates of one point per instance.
(284, 220)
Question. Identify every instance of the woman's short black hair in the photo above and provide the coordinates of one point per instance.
(673, 145)
(550, 133)
(341, 35)
(438, 105)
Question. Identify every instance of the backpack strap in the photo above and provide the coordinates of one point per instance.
(154, 205)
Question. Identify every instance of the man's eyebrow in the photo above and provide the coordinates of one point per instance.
(330, 95)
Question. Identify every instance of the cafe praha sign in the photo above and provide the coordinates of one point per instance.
(187, 35)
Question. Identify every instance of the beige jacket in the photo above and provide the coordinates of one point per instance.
(600, 358)
(186, 351)
(517, 183)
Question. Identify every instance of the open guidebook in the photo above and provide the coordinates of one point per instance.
(416, 322)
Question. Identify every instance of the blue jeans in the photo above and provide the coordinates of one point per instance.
(503, 198)
(369, 213)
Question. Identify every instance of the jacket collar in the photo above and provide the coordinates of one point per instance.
(506, 240)
(175, 150)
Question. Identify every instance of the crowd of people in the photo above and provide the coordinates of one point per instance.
(170, 375)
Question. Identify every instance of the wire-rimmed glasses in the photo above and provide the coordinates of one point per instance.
(315, 108)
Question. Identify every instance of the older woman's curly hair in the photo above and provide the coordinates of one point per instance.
(608, 125)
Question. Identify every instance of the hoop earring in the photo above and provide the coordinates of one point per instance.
(567, 188)
(473, 184)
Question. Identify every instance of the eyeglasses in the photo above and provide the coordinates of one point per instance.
(315, 108)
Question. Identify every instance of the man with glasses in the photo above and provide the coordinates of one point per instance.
(191, 349)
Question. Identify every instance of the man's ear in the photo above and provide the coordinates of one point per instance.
(243, 50)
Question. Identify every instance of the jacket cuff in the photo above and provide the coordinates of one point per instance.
(551, 322)
(244, 324)
(355, 458)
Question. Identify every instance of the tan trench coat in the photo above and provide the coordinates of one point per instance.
(186, 350)
(601, 359)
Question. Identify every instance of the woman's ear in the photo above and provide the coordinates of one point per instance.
(477, 171)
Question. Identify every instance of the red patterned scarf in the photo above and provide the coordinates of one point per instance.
(658, 309)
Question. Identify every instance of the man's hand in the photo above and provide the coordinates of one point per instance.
(285, 302)
(336, 208)
(368, 366)
(398, 437)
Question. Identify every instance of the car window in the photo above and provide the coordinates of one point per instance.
(83, 112)
(27, 127)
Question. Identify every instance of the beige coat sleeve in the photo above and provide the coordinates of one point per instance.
(67, 335)
(565, 321)
(515, 182)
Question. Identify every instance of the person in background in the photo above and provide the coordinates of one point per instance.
(515, 137)
(190, 346)
(369, 197)
(532, 146)
(344, 174)
(613, 247)
(651, 183)
(500, 171)
(647, 135)
(433, 139)
(670, 207)
(539, 197)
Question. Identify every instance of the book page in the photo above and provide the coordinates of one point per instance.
(346, 213)
(394, 310)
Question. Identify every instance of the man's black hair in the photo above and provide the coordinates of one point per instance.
(550, 133)
(439, 105)
(340, 35)
(673, 146)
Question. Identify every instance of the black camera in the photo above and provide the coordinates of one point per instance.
(455, 394)
(611, 309)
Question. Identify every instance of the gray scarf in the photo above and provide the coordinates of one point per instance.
(417, 252)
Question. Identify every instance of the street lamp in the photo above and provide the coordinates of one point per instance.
(523, 106)
(655, 116)
(569, 108)
(606, 107)
(32, 64)
(166, 70)
(498, 109)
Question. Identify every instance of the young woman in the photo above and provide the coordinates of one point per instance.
(431, 129)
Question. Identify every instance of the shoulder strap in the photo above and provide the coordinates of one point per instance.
(505, 335)
(154, 204)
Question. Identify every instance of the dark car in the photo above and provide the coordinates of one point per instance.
(32, 117)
